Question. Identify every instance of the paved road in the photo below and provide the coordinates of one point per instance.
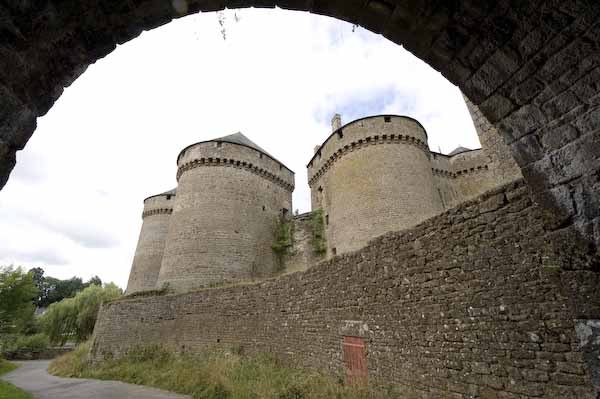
(33, 377)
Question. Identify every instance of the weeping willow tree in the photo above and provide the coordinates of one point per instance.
(73, 319)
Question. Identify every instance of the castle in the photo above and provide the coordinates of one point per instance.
(439, 275)
(230, 217)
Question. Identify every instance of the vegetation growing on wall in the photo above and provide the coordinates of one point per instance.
(284, 239)
(164, 290)
(211, 375)
(318, 232)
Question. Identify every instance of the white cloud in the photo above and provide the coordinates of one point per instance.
(73, 203)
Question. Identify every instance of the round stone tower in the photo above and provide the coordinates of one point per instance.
(151, 243)
(230, 196)
(370, 177)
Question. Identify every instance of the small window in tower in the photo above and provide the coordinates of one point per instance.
(168, 197)
(260, 154)
(334, 251)
(264, 208)
(284, 212)
(340, 134)
(387, 119)
(280, 166)
(320, 189)
(327, 220)
(219, 144)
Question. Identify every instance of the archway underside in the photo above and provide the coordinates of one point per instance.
(531, 67)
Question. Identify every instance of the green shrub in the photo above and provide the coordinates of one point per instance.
(29, 342)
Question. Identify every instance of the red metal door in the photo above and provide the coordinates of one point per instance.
(355, 360)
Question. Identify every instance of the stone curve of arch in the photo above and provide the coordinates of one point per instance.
(530, 68)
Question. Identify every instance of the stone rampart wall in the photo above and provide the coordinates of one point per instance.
(478, 302)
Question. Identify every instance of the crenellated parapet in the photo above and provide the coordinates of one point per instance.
(159, 211)
(461, 175)
(233, 152)
(465, 172)
(363, 133)
(239, 164)
(364, 143)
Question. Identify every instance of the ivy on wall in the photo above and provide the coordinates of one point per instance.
(284, 239)
(318, 232)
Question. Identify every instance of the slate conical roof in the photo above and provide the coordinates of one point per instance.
(459, 150)
(239, 138)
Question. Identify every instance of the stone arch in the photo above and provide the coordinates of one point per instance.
(531, 67)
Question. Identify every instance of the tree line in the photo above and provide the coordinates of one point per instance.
(67, 309)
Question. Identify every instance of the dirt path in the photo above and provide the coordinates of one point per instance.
(32, 377)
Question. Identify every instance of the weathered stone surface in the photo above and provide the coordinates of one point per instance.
(588, 337)
(477, 302)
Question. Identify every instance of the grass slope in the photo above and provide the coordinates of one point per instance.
(9, 391)
(214, 375)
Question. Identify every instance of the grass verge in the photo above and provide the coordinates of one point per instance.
(8, 390)
(6, 367)
(210, 375)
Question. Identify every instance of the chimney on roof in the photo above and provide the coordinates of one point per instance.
(336, 122)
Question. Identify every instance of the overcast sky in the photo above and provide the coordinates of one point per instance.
(73, 203)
